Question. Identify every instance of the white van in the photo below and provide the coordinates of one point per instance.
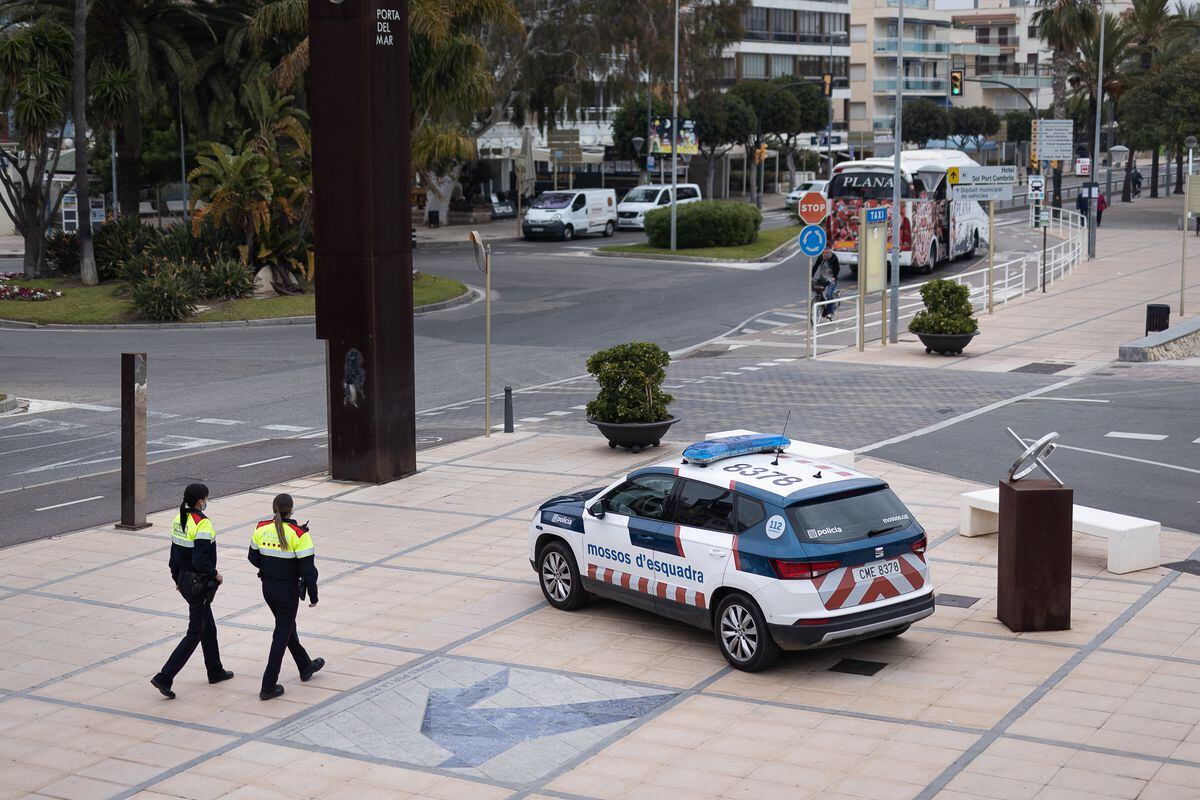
(565, 214)
(631, 213)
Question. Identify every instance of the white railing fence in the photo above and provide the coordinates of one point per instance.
(1010, 279)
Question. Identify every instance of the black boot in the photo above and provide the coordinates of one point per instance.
(217, 677)
(271, 694)
(313, 669)
(163, 685)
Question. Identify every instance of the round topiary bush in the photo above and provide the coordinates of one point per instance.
(947, 309)
(710, 223)
(630, 377)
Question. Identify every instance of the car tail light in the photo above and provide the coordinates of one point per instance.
(918, 546)
(799, 570)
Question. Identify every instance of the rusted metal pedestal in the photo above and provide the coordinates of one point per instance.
(1035, 556)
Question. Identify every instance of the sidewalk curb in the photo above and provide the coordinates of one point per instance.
(771, 256)
(469, 296)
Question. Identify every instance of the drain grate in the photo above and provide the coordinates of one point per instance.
(855, 666)
(956, 600)
(1191, 566)
(1042, 368)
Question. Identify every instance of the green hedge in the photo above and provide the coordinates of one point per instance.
(711, 223)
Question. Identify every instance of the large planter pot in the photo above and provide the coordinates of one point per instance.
(634, 436)
(946, 343)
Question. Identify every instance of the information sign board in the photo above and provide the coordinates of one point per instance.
(981, 192)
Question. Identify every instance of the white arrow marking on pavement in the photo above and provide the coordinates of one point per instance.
(264, 461)
(1146, 437)
(70, 503)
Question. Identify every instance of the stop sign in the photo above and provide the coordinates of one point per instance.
(812, 208)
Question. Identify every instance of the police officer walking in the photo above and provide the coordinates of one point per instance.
(194, 571)
(282, 550)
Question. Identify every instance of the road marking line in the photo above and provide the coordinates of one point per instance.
(558, 413)
(71, 503)
(227, 422)
(750, 369)
(731, 373)
(772, 322)
(714, 377)
(1129, 458)
(1145, 437)
(784, 360)
(789, 314)
(501, 427)
(314, 435)
(767, 364)
(264, 461)
(286, 428)
(748, 330)
(946, 423)
(1069, 399)
(532, 419)
(1195, 441)
(579, 408)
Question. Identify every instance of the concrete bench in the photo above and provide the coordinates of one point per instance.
(809, 450)
(1132, 542)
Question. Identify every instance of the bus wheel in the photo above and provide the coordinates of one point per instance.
(927, 268)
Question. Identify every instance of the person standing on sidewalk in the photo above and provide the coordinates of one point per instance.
(283, 552)
(194, 571)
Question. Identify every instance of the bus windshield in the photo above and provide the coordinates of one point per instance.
(865, 186)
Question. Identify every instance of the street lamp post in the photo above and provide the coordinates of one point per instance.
(1092, 201)
(896, 214)
(829, 129)
(675, 130)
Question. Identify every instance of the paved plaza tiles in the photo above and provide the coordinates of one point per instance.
(449, 677)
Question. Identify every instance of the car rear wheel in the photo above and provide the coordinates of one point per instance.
(559, 577)
(742, 634)
(609, 229)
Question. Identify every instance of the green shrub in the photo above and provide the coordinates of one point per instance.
(630, 378)
(210, 245)
(227, 279)
(947, 309)
(710, 223)
(168, 295)
(62, 252)
(138, 267)
(119, 239)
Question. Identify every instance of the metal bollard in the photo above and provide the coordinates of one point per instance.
(508, 410)
(133, 442)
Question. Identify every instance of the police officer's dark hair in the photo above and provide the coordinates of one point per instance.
(194, 493)
(282, 506)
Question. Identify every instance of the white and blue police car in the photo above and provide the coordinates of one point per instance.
(768, 549)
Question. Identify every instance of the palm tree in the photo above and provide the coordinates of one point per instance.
(87, 257)
(1082, 76)
(1064, 24)
(237, 191)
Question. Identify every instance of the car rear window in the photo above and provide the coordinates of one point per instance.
(849, 517)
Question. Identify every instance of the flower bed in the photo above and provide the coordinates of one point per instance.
(9, 291)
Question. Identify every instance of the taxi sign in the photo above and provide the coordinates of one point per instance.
(879, 214)
(812, 207)
(813, 240)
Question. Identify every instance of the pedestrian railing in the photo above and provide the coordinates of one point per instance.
(1010, 280)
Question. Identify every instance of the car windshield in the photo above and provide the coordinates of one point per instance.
(849, 516)
(552, 200)
(642, 194)
(865, 186)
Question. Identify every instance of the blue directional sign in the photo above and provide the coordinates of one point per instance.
(877, 214)
(812, 240)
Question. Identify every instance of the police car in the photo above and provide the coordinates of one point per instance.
(768, 549)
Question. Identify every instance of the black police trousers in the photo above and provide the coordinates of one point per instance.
(202, 631)
(283, 598)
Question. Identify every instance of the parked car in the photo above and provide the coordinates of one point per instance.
(769, 550)
(631, 213)
(566, 214)
(794, 195)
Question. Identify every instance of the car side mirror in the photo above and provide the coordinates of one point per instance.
(597, 509)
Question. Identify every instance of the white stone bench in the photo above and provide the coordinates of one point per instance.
(1132, 542)
(809, 450)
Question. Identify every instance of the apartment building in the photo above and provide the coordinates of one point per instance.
(1010, 51)
(801, 39)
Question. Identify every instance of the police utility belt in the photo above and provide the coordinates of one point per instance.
(195, 587)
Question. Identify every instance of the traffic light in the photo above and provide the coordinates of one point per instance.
(827, 84)
(956, 83)
(760, 155)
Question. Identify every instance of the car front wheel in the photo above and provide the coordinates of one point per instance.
(559, 577)
(742, 634)
(568, 233)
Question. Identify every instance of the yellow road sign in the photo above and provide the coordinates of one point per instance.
(952, 176)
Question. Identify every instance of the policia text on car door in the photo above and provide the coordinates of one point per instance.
(194, 571)
(282, 549)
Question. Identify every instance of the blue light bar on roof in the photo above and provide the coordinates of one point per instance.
(734, 446)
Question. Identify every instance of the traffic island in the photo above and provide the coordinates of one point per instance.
(770, 244)
(108, 304)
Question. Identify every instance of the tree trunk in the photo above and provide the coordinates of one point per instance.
(1179, 171)
(1060, 62)
(709, 176)
(129, 161)
(791, 166)
(1154, 168)
(35, 243)
(87, 258)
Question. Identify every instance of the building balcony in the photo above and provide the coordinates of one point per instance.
(1025, 81)
(910, 3)
(975, 49)
(879, 123)
(935, 48)
(912, 85)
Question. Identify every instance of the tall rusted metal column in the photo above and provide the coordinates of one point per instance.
(360, 106)
(133, 442)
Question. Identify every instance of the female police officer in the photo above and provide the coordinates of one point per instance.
(194, 570)
(283, 552)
